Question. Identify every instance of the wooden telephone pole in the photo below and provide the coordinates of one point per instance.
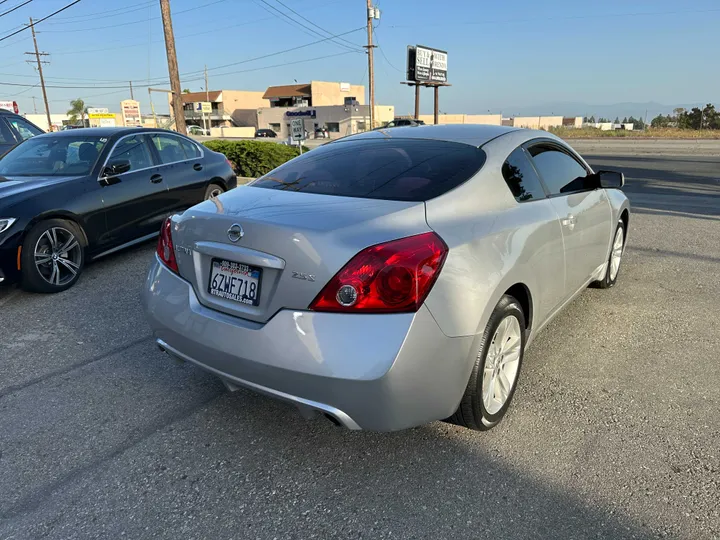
(173, 71)
(37, 56)
(371, 66)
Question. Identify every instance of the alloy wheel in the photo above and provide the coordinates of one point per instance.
(616, 255)
(501, 364)
(58, 255)
(215, 192)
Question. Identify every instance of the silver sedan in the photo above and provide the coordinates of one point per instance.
(390, 278)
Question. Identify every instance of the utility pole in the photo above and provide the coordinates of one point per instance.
(34, 106)
(131, 92)
(173, 68)
(371, 67)
(37, 55)
(207, 99)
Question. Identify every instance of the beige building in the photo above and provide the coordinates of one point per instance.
(336, 106)
(546, 122)
(229, 107)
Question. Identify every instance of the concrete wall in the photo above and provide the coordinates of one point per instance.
(537, 122)
(242, 99)
(329, 93)
(232, 132)
(492, 119)
(349, 121)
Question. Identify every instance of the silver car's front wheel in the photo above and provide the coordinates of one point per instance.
(497, 366)
(617, 250)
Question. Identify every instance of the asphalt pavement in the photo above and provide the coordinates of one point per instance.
(614, 431)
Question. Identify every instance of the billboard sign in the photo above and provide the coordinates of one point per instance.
(10, 106)
(203, 106)
(97, 110)
(425, 64)
(131, 113)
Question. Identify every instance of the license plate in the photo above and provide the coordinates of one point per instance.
(235, 281)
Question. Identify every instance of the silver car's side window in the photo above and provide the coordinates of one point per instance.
(521, 178)
(560, 172)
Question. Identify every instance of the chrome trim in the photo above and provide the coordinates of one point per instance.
(9, 224)
(127, 244)
(341, 417)
(101, 178)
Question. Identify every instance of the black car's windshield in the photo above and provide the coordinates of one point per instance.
(53, 156)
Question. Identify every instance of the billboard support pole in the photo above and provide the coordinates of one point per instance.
(437, 107)
(417, 102)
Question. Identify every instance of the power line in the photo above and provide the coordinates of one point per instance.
(134, 22)
(569, 17)
(315, 25)
(71, 4)
(383, 54)
(286, 18)
(90, 16)
(16, 7)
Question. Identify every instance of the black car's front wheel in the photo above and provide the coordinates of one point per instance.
(52, 256)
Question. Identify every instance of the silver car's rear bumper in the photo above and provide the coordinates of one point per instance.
(378, 372)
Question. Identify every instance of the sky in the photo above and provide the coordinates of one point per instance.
(502, 55)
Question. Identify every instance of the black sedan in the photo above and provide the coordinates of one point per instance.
(74, 196)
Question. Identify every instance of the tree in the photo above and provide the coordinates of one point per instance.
(592, 119)
(660, 121)
(603, 120)
(186, 91)
(617, 120)
(77, 108)
(625, 120)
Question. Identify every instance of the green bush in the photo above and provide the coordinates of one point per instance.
(254, 158)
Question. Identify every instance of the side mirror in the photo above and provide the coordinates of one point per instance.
(116, 167)
(611, 179)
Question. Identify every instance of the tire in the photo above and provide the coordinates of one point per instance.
(616, 251)
(53, 256)
(213, 190)
(477, 410)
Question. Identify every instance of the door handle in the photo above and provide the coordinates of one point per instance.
(569, 221)
(197, 167)
(156, 178)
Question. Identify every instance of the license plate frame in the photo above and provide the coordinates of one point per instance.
(242, 270)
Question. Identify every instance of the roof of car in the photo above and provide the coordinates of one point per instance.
(473, 134)
(102, 131)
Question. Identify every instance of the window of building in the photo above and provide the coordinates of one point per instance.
(275, 127)
(560, 172)
(521, 177)
(288, 127)
(361, 126)
(333, 127)
(351, 100)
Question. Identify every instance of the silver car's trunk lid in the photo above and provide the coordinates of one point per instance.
(298, 241)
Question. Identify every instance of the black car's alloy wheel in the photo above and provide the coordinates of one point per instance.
(52, 256)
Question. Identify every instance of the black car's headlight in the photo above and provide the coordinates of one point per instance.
(6, 223)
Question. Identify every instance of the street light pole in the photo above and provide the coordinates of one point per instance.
(371, 67)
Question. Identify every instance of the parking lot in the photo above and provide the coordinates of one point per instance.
(613, 433)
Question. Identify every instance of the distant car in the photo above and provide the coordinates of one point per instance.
(322, 133)
(76, 195)
(389, 279)
(264, 133)
(15, 129)
(197, 130)
(402, 122)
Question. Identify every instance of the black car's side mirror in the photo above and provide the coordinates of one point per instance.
(116, 167)
(611, 179)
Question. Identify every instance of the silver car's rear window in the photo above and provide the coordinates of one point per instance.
(392, 169)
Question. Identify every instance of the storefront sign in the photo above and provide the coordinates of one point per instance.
(307, 114)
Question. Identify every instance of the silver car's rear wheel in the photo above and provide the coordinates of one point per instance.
(502, 363)
(496, 371)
